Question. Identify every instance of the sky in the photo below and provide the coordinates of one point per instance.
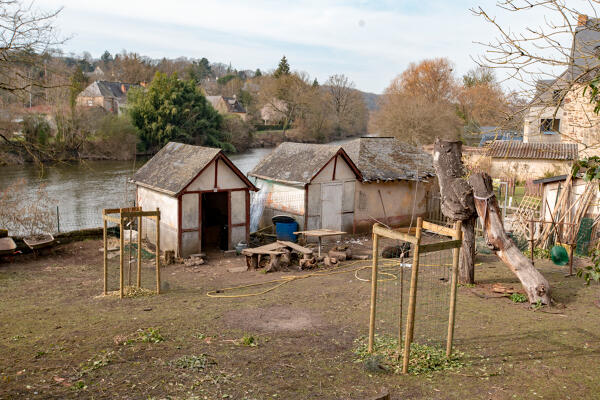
(371, 42)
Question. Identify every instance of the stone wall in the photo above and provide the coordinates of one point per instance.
(580, 124)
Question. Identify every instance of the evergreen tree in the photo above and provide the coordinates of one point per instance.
(106, 57)
(283, 68)
(257, 72)
(315, 83)
(78, 83)
(171, 109)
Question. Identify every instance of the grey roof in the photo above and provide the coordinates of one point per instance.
(174, 167)
(233, 105)
(539, 151)
(388, 159)
(294, 163)
(585, 51)
(107, 89)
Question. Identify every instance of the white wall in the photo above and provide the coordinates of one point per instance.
(149, 200)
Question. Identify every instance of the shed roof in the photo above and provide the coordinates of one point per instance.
(107, 89)
(176, 165)
(388, 159)
(540, 151)
(298, 163)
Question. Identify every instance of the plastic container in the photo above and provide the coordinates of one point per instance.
(285, 227)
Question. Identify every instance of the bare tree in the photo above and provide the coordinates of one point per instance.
(25, 34)
(349, 108)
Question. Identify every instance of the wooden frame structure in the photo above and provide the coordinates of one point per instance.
(418, 249)
(129, 214)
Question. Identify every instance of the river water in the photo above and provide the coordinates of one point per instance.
(81, 190)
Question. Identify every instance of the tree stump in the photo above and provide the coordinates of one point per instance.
(457, 201)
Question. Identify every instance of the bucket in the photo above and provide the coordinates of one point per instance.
(285, 227)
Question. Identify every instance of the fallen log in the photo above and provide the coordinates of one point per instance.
(534, 283)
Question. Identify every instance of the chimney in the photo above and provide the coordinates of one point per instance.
(123, 89)
(582, 20)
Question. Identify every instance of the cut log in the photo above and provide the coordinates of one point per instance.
(534, 283)
(339, 255)
(457, 201)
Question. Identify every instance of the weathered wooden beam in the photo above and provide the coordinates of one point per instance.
(114, 220)
(449, 244)
(438, 229)
(392, 234)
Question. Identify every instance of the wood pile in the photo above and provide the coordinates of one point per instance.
(279, 255)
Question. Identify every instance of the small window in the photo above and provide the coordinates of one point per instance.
(549, 126)
(90, 103)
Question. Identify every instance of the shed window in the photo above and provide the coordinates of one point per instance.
(549, 126)
(90, 103)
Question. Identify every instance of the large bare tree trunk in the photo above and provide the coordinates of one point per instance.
(534, 283)
(457, 201)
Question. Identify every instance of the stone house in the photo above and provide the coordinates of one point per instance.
(347, 187)
(111, 96)
(204, 199)
(560, 112)
(228, 105)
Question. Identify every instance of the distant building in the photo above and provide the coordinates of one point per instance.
(111, 96)
(228, 105)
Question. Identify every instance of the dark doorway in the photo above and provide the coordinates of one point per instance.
(215, 229)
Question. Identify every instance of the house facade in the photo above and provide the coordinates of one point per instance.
(560, 111)
(228, 105)
(111, 96)
(203, 198)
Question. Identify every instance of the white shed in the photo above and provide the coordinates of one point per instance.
(314, 183)
(203, 197)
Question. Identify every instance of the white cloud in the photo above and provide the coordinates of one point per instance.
(319, 37)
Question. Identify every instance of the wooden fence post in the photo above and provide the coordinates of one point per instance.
(121, 254)
(157, 251)
(412, 300)
(105, 245)
(373, 291)
(452, 315)
(139, 253)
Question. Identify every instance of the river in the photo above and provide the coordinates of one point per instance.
(79, 191)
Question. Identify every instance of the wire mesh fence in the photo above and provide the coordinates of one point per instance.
(433, 291)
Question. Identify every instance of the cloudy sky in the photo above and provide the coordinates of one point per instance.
(369, 41)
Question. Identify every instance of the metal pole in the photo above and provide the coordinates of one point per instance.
(373, 291)
(412, 299)
(531, 239)
(139, 253)
(104, 246)
(452, 315)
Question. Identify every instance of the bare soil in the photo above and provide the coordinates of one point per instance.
(60, 339)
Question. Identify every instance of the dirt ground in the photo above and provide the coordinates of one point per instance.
(60, 339)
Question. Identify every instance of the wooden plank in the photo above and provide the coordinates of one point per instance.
(320, 232)
(140, 213)
(111, 219)
(406, 230)
(453, 285)
(297, 247)
(249, 252)
(439, 229)
(449, 244)
(391, 234)
(111, 211)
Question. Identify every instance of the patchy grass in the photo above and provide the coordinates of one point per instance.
(248, 340)
(386, 356)
(193, 363)
(518, 298)
(306, 331)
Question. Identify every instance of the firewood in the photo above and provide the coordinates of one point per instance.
(339, 255)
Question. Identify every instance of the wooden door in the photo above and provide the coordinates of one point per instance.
(331, 205)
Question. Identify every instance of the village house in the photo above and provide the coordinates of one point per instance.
(111, 96)
(560, 112)
(228, 105)
(203, 198)
(346, 187)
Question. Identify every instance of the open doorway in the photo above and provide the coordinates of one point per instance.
(215, 229)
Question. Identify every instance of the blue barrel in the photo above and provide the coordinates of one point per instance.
(285, 227)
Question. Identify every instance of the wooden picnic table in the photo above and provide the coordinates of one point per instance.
(319, 234)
